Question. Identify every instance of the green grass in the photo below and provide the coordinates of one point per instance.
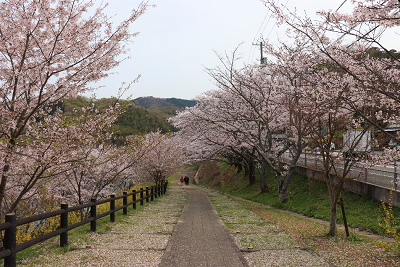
(306, 197)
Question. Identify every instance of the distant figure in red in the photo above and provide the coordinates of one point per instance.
(181, 180)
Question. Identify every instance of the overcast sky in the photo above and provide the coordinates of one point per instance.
(179, 38)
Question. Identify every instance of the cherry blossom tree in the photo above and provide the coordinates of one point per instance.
(105, 169)
(252, 116)
(269, 112)
(49, 50)
(377, 78)
(161, 161)
(202, 137)
(239, 106)
(55, 143)
(346, 41)
(330, 119)
(350, 88)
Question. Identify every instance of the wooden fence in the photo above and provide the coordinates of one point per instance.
(10, 225)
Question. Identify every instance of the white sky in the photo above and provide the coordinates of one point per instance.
(179, 38)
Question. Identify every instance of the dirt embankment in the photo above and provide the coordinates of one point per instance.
(212, 174)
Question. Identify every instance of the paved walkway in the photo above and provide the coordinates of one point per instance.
(200, 238)
(181, 228)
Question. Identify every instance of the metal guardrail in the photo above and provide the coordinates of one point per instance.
(11, 222)
(384, 176)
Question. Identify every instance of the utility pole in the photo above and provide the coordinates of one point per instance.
(261, 51)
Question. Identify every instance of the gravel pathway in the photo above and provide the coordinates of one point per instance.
(262, 243)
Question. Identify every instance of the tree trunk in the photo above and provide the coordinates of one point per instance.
(252, 171)
(3, 184)
(334, 195)
(332, 220)
(346, 227)
(246, 169)
(263, 177)
(4, 175)
(2, 191)
(239, 167)
(283, 196)
(284, 184)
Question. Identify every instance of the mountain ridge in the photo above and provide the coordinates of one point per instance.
(151, 102)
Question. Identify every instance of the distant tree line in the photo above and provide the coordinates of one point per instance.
(134, 121)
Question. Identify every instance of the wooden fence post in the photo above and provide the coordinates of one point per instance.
(64, 225)
(10, 241)
(125, 203)
(141, 196)
(93, 214)
(112, 208)
(134, 199)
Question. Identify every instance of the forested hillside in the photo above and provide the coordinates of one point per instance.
(150, 102)
(138, 120)
(142, 115)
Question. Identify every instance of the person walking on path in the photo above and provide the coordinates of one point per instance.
(200, 238)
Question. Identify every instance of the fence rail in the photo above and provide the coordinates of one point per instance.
(11, 222)
(385, 176)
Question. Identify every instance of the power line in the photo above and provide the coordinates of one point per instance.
(262, 59)
(252, 50)
(341, 5)
(365, 34)
(275, 22)
(251, 54)
(266, 15)
(261, 25)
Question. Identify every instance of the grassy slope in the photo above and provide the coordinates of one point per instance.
(306, 197)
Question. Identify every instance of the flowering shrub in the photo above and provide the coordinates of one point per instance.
(390, 226)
